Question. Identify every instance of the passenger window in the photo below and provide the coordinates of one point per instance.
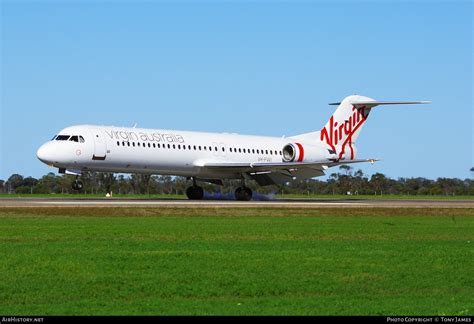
(118, 143)
(199, 148)
(169, 146)
(154, 145)
(205, 148)
(128, 143)
(123, 143)
(240, 150)
(223, 149)
(215, 148)
(133, 144)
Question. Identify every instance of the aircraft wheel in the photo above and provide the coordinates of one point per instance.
(195, 193)
(243, 194)
(77, 185)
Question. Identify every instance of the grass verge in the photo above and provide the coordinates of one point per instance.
(166, 261)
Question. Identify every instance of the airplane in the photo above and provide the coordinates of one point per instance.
(213, 157)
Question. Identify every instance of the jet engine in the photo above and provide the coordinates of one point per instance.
(293, 152)
(297, 152)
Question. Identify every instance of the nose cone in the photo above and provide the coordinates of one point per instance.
(44, 153)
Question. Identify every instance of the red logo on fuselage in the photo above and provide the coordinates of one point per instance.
(343, 132)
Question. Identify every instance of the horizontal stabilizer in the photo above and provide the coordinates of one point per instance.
(378, 103)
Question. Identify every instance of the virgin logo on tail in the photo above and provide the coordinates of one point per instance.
(342, 132)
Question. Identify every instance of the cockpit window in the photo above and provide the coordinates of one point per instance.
(73, 138)
(54, 137)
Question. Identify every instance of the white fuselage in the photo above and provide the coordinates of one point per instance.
(213, 156)
(157, 151)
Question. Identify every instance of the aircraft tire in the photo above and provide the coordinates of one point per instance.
(77, 185)
(195, 193)
(243, 194)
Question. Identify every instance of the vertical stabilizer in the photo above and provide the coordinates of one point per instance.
(344, 126)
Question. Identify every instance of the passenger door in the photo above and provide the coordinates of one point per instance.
(100, 144)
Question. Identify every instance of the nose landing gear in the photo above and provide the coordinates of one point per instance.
(77, 185)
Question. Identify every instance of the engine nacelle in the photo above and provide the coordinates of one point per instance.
(298, 152)
(293, 152)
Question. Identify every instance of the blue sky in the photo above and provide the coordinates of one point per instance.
(252, 67)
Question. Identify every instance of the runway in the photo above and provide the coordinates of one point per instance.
(183, 203)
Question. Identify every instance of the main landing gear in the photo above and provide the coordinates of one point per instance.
(77, 184)
(243, 193)
(195, 192)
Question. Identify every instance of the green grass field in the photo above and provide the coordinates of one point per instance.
(108, 261)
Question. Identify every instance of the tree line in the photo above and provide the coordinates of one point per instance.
(346, 181)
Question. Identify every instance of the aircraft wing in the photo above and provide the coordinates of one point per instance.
(281, 172)
(262, 166)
